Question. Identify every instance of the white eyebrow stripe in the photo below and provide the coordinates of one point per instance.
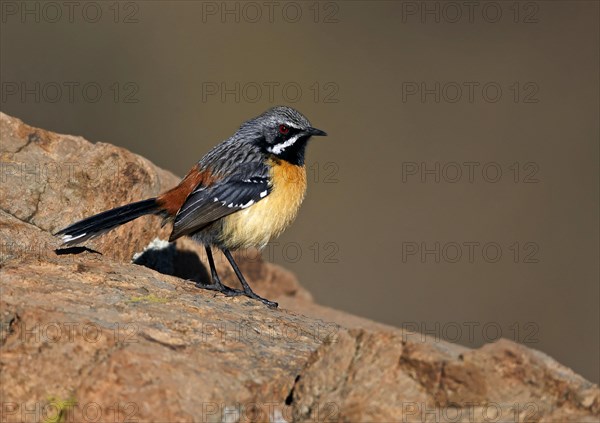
(277, 149)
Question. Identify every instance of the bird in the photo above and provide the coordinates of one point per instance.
(243, 193)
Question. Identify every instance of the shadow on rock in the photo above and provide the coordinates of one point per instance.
(74, 250)
(169, 260)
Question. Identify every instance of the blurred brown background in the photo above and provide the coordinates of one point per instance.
(407, 220)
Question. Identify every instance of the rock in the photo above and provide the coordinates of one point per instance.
(380, 376)
(52, 180)
(86, 335)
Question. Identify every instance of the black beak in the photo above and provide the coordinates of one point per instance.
(316, 132)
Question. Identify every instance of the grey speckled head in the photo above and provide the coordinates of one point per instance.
(284, 114)
(281, 131)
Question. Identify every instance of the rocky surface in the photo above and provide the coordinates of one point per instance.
(88, 336)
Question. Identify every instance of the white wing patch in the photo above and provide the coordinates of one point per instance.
(237, 206)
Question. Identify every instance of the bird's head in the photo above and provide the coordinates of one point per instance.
(283, 132)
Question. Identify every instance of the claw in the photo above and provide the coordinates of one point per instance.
(254, 296)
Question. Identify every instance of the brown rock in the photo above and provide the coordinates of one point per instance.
(375, 377)
(92, 337)
(52, 180)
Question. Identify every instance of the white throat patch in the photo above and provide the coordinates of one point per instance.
(279, 148)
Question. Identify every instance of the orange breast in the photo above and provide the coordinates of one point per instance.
(259, 223)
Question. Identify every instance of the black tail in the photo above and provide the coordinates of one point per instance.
(103, 222)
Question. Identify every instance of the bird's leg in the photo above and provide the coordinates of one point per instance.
(247, 290)
(216, 282)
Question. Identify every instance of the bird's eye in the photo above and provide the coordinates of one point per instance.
(283, 129)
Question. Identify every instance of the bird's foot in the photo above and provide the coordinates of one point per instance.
(230, 292)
